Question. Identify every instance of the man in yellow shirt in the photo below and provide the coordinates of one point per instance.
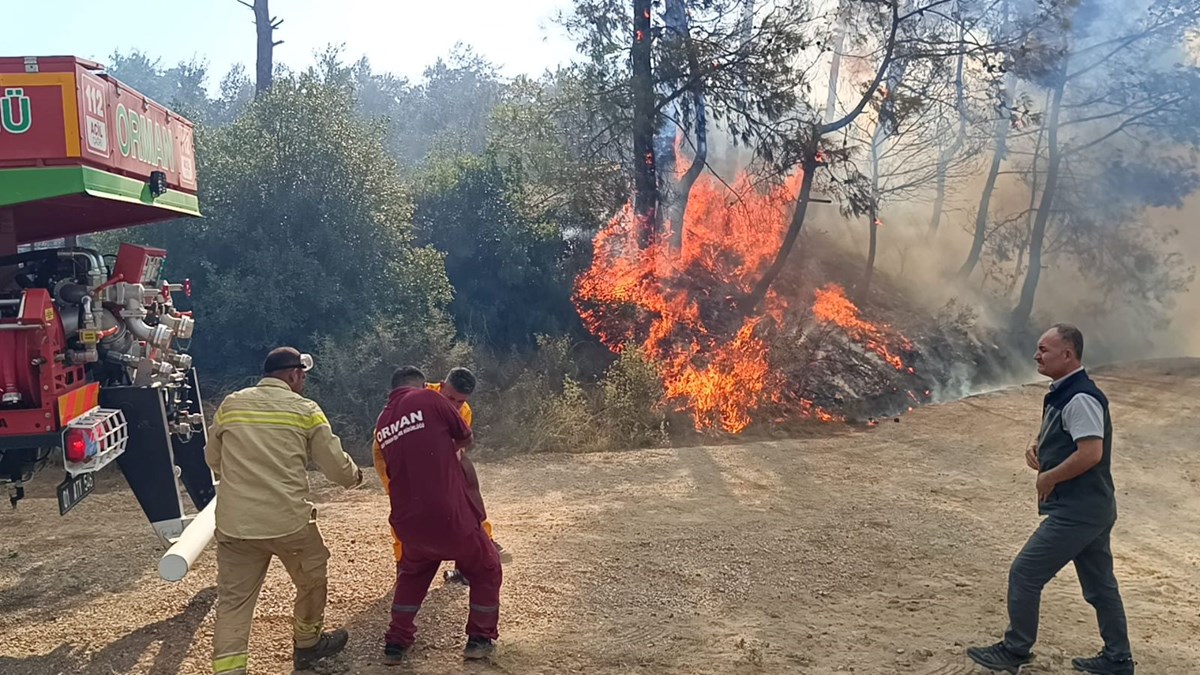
(259, 446)
(457, 387)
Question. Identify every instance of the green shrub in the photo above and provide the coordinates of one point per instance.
(567, 422)
(632, 402)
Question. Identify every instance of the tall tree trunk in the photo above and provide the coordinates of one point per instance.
(266, 46)
(1024, 308)
(1019, 269)
(809, 164)
(999, 152)
(1000, 135)
(939, 200)
(670, 122)
(700, 127)
(1035, 186)
(864, 288)
(645, 203)
(264, 26)
(693, 172)
(947, 155)
(883, 130)
(835, 64)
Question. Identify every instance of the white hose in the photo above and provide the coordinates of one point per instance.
(183, 553)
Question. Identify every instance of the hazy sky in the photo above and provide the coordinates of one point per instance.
(401, 36)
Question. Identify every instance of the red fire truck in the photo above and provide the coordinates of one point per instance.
(93, 355)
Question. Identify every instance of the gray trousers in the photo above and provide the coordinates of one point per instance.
(1056, 542)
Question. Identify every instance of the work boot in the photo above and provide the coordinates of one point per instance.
(455, 576)
(478, 648)
(1103, 665)
(394, 655)
(329, 644)
(998, 658)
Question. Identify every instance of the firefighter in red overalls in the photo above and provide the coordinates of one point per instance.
(420, 433)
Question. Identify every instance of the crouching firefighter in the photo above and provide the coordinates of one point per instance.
(419, 434)
(259, 448)
(457, 388)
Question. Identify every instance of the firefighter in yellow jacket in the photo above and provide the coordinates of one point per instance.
(258, 448)
(457, 388)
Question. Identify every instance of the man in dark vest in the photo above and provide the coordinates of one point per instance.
(1072, 455)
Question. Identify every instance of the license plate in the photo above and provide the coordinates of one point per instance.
(72, 491)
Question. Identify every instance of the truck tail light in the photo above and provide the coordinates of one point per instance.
(94, 439)
(79, 445)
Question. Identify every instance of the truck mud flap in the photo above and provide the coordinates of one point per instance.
(152, 455)
(148, 461)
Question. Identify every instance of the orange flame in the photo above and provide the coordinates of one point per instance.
(832, 306)
(680, 307)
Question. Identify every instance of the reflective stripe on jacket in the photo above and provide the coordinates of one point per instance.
(259, 447)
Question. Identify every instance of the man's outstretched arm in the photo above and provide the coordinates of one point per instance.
(325, 450)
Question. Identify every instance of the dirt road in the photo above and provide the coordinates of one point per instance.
(881, 551)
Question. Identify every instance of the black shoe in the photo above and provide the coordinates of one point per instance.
(478, 648)
(329, 644)
(456, 577)
(1103, 665)
(998, 658)
(393, 655)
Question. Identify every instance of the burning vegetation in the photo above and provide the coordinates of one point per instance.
(681, 306)
(799, 356)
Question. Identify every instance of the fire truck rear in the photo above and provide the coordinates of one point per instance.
(92, 347)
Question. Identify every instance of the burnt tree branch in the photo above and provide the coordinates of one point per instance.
(878, 79)
(809, 161)
(1126, 124)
